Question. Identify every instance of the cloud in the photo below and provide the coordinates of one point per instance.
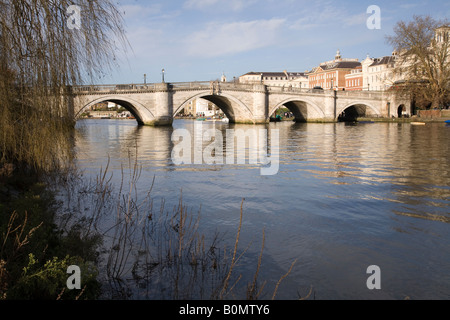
(409, 5)
(327, 14)
(134, 11)
(199, 4)
(231, 38)
(233, 5)
(359, 19)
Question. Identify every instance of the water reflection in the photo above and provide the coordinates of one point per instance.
(345, 197)
(98, 140)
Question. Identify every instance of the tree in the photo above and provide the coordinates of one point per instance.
(46, 47)
(423, 61)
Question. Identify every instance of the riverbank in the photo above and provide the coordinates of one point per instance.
(35, 251)
(404, 120)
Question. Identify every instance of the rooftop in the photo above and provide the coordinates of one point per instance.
(275, 74)
(345, 64)
(383, 60)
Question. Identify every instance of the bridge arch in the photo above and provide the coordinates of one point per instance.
(356, 109)
(303, 109)
(233, 108)
(137, 109)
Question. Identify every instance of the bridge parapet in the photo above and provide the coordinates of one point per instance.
(217, 86)
(212, 85)
(113, 88)
(361, 94)
(152, 87)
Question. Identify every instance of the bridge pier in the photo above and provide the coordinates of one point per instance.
(330, 107)
(163, 106)
(260, 104)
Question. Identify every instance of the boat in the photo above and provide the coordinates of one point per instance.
(448, 121)
(418, 123)
(275, 119)
(225, 120)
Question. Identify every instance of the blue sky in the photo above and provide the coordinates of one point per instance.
(198, 40)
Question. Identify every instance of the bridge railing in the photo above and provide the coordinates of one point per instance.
(195, 85)
(190, 85)
(361, 94)
(215, 86)
(113, 88)
(277, 89)
(211, 85)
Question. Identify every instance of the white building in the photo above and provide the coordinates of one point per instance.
(202, 107)
(277, 79)
(378, 73)
(442, 34)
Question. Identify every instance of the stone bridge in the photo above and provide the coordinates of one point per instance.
(157, 104)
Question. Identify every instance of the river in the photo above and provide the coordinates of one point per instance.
(345, 197)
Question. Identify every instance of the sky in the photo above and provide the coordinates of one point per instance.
(199, 40)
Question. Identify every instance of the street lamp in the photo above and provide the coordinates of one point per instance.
(145, 78)
(163, 75)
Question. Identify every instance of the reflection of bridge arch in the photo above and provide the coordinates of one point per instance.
(137, 109)
(231, 106)
(303, 109)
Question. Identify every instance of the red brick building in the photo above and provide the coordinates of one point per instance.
(354, 80)
(331, 74)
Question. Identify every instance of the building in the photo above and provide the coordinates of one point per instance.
(331, 74)
(202, 108)
(378, 73)
(278, 79)
(442, 34)
(354, 80)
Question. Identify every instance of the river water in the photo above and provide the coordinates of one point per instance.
(345, 197)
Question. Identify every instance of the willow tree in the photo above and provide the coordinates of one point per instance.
(423, 63)
(46, 47)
